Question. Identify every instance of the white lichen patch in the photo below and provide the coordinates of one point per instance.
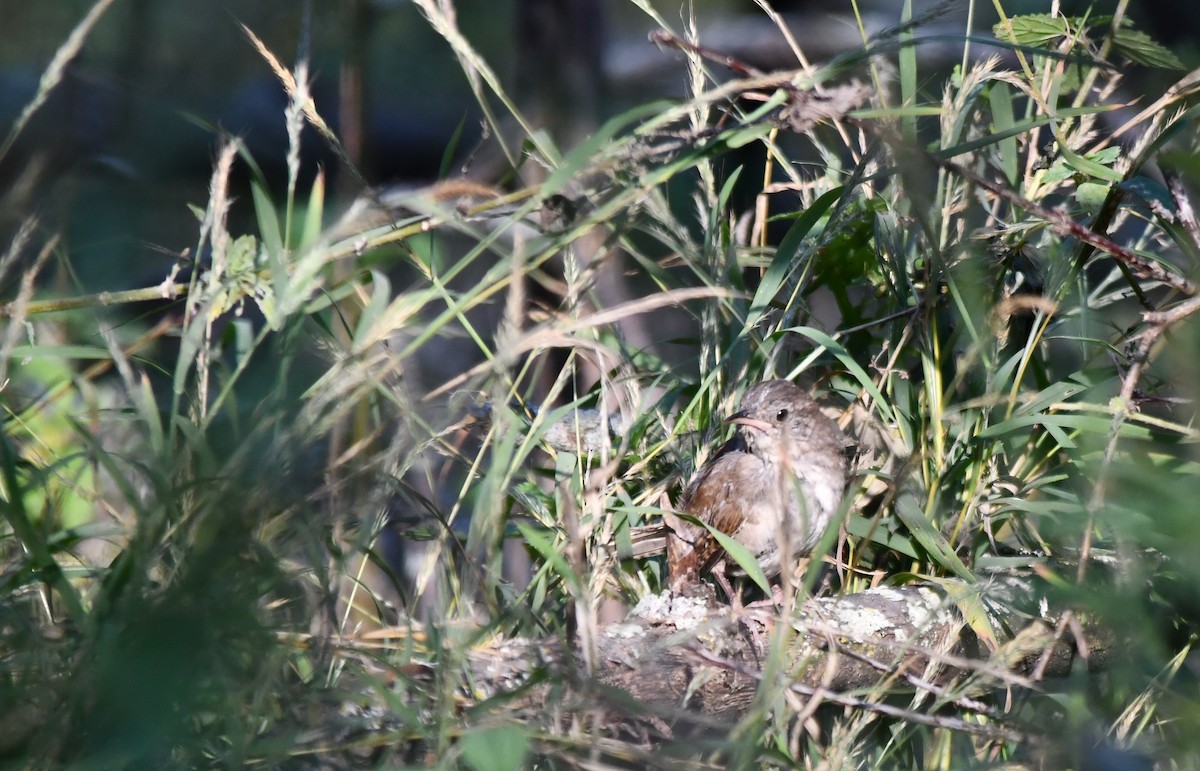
(861, 623)
(688, 612)
(654, 608)
(932, 609)
(891, 595)
(680, 612)
(883, 612)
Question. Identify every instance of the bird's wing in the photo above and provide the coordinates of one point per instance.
(725, 489)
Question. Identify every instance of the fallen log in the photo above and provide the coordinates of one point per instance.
(678, 655)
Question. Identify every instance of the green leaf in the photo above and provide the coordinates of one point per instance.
(861, 527)
(1092, 195)
(538, 540)
(743, 135)
(726, 193)
(744, 559)
(1059, 435)
(451, 151)
(930, 538)
(784, 262)
(1108, 156)
(29, 534)
(907, 58)
(1057, 172)
(1002, 116)
(41, 351)
(1140, 48)
(313, 213)
(1099, 425)
(1017, 129)
(268, 220)
(860, 374)
(189, 348)
(1039, 29)
(502, 748)
(1094, 165)
(914, 111)
(381, 292)
(1056, 392)
(147, 406)
(971, 606)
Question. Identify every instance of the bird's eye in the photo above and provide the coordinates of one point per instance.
(781, 415)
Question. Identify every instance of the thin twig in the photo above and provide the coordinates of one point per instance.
(920, 683)
(665, 39)
(1058, 220)
(944, 658)
(937, 721)
(57, 305)
(19, 307)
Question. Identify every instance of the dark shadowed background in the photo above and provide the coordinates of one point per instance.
(126, 142)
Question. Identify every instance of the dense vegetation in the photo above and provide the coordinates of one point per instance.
(273, 519)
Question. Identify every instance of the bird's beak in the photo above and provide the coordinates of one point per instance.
(742, 419)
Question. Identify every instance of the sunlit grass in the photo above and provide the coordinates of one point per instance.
(281, 537)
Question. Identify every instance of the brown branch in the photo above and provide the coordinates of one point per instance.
(1063, 225)
(664, 39)
(998, 731)
(1059, 221)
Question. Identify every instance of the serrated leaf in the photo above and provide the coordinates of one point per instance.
(1057, 172)
(1039, 29)
(242, 256)
(241, 259)
(1108, 156)
(1140, 48)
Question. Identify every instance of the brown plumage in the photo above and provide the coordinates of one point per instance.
(778, 483)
